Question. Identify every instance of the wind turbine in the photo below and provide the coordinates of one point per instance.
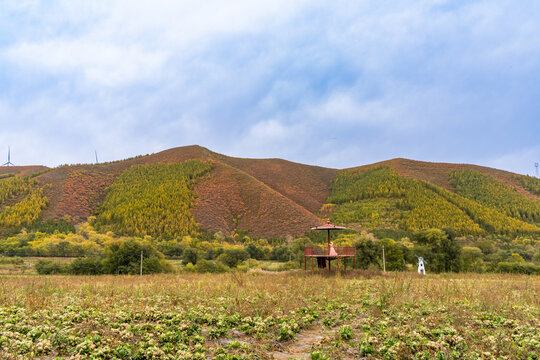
(9, 163)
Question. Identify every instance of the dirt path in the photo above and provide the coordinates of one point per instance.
(301, 348)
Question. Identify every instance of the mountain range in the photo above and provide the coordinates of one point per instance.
(275, 197)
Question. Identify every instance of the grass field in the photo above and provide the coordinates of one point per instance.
(25, 265)
(262, 315)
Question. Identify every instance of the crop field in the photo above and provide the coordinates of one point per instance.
(260, 315)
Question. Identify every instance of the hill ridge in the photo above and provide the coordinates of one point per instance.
(269, 196)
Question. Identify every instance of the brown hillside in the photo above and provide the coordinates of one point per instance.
(22, 170)
(306, 185)
(266, 196)
(270, 197)
(230, 200)
(437, 173)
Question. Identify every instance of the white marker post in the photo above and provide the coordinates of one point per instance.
(421, 265)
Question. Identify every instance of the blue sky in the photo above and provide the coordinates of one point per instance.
(338, 84)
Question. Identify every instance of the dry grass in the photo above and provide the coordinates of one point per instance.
(391, 316)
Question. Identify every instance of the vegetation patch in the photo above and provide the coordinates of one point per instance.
(153, 200)
(261, 316)
(379, 196)
(530, 183)
(496, 195)
(21, 202)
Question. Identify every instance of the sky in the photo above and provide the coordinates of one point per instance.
(330, 83)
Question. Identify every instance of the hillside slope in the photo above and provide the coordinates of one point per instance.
(269, 197)
(438, 173)
(275, 197)
(481, 205)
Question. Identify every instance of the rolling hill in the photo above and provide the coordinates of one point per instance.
(275, 197)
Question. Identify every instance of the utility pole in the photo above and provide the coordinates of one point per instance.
(383, 260)
(141, 261)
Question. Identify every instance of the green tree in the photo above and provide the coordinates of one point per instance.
(472, 259)
(393, 255)
(444, 254)
(367, 253)
(124, 256)
(232, 257)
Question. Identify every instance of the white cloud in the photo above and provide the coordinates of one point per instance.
(520, 161)
(101, 63)
(270, 78)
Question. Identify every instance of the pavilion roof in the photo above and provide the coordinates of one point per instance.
(328, 226)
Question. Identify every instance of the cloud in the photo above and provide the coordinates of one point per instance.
(335, 84)
(519, 161)
(103, 64)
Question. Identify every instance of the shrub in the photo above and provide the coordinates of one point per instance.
(206, 266)
(255, 252)
(232, 257)
(517, 268)
(85, 266)
(345, 332)
(12, 260)
(443, 252)
(52, 226)
(393, 255)
(190, 255)
(49, 267)
(124, 257)
(281, 253)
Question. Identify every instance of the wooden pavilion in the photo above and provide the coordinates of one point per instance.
(326, 254)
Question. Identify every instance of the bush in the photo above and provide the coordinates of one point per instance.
(345, 332)
(52, 226)
(85, 266)
(124, 257)
(190, 255)
(255, 252)
(281, 253)
(443, 252)
(232, 257)
(393, 255)
(49, 267)
(12, 260)
(205, 266)
(367, 253)
(170, 248)
(517, 268)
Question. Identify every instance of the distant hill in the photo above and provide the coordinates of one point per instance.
(274, 197)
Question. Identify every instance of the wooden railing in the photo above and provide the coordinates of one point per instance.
(342, 251)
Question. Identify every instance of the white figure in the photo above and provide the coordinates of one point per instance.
(332, 251)
(421, 265)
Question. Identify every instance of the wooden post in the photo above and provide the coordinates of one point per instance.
(141, 261)
(338, 264)
(383, 260)
(312, 265)
(305, 265)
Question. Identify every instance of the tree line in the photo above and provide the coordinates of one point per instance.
(25, 211)
(421, 205)
(491, 193)
(152, 200)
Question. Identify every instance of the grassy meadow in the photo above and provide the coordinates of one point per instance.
(262, 315)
